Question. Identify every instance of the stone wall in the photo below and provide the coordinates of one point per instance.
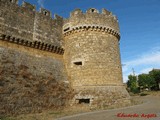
(99, 54)
(34, 73)
(92, 18)
(25, 22)
(92, 57)
(103, 96)
(31, 80)
(92, 53)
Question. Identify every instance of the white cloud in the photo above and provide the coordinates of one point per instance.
(152, 58)
(146, 70)
(142, 64)
(41, 3)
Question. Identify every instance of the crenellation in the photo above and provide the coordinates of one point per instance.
(45, 12)
(105, 12)
(76, 12)
(86, 45)
(90, 18)
(26, 23)
(29, 6)
(92, 53)
(92, 11)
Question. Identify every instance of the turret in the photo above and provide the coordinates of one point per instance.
(92, 54)
(104, 21)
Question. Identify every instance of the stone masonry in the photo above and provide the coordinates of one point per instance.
(92, 55)
(53, 56)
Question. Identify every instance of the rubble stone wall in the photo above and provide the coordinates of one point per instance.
(31, 80)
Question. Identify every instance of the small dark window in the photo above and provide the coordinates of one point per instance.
(78, 63)
(92, 10)
(45, 13)
(66, 29)
(86, 101)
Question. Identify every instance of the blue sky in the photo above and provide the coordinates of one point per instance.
(139, 25)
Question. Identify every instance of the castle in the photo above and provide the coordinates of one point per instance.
(81, 51)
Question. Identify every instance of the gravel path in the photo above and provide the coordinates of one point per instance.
(149, 110)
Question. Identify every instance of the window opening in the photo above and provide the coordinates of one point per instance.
(85, 101)
(45, 13)
(78, 63)
(92, 10)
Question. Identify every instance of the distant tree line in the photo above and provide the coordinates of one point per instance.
(150, 81)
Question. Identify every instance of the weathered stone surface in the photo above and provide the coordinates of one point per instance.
(102, 96)
(25, 23)
(31, 82)
(43, 59)
(92, 56)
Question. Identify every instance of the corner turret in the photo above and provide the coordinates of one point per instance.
(103, 21)
(92, 57)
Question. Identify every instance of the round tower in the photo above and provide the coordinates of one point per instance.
(92, 56)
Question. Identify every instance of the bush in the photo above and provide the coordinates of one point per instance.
(135, 90)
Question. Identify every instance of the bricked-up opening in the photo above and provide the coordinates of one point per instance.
(78, 63)
(86, 101)
(66, 29)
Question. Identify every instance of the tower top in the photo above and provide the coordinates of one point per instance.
(92, 18)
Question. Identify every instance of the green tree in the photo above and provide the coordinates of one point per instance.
(132, 83)
(146, 81)
(155, 74)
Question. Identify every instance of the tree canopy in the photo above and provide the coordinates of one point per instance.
(132, 83)
(146, 81)
(150, 81)
(155, 74)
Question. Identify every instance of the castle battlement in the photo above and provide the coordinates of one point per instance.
(92, 55)
(82, 51)
(26, 5)
(91, 20)
(29, 6)
(24, 22)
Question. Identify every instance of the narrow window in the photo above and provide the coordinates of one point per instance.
(45, 13)
(85, 101)
(78, 63)
(92, 10)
